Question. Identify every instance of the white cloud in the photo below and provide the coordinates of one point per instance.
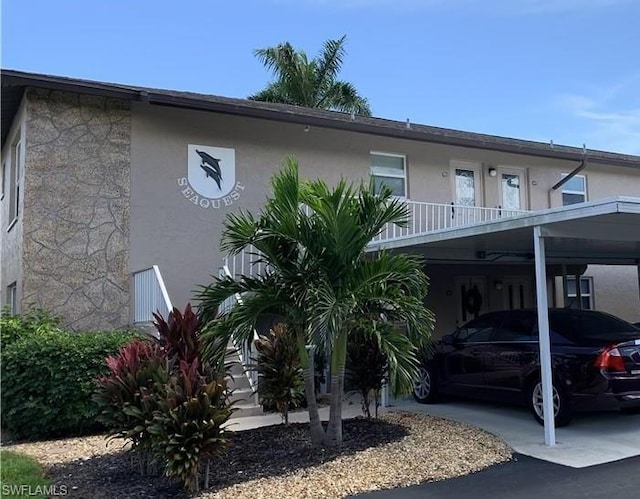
(610, 116)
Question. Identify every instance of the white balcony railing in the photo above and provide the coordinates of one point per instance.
(429, 217)
(150, 295)
(423, 219)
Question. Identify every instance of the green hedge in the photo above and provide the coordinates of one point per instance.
(48, 377)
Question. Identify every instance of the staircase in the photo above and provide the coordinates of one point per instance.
(245, 401)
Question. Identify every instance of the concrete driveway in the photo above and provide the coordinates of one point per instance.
(590, 439)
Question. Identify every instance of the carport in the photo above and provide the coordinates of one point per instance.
(605, 232)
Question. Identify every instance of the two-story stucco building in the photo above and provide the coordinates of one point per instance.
(102, 182)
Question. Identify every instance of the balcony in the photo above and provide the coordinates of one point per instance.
(422, 219)
(429, 217)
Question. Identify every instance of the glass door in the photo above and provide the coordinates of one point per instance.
(466, 194)
(512, 191)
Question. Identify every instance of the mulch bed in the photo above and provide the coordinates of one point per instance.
(257, 453)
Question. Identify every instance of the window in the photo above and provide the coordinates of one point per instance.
(586, 292)
(12, 298)
(389, 170)
(16, 179)
(465, 187)
(516, 326)
(4, 179)
(575, 190)
(478, 330)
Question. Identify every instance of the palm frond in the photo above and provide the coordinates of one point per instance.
(343, 96)
(273, 92)
(329, 63)
(308, 83)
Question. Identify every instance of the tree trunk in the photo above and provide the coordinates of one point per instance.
(315, 426)
(333, 437)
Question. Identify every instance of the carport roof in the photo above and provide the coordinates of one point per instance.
(598, 232)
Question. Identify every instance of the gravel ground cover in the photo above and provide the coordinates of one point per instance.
(399, 449)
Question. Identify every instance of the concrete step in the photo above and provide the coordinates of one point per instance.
(239, 382)
(243, 396)
(246, 410)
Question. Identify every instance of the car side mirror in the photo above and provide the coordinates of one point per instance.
(447, 339)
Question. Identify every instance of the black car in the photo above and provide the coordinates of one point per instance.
(595, 359)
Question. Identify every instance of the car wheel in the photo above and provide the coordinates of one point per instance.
(562, 413)
(425, 389)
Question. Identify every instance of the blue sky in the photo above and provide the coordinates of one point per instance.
(567, 70)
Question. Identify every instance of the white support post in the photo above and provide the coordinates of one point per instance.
(565, 286)
(384, 395)
(543, 332)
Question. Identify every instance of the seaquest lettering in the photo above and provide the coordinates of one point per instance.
(206, 203)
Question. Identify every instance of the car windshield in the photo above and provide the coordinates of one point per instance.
(589, 327)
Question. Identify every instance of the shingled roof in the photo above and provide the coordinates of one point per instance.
(15, 82)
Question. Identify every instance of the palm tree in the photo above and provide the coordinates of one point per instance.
(281, 291)
(385, 290)
(323, 284)
(312, 83)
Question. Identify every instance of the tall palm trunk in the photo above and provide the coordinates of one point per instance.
(315, 426)
(333, 437)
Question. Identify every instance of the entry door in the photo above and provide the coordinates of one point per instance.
(517, 293)
(471, 298)
(512, 190)
(467, 194)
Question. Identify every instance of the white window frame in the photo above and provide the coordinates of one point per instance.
(16, 164)
(589, 295)
(12, 298)
(4, 179)
(387, 175)
(571, 191)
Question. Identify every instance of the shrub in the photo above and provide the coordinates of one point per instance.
(34, 321)
(127, 395)
(179, 334)
(48, 381)
(365, 369)
(187, 427)
(281, 382)
(162, 399)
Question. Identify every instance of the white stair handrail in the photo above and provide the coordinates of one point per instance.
(245, 351)
(150, 295)
(163, 288)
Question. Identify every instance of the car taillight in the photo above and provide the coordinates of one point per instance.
(611, 360)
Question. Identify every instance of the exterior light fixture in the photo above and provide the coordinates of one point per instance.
(492, 172)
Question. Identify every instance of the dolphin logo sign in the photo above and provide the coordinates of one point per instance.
(207, 163)
(211, 167)
(211, 170)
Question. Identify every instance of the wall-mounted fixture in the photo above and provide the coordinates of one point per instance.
(445, 174)
(498, 285)
(492, 171)
(307, 128)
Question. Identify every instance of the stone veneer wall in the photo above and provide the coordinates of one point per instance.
(76, 208)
